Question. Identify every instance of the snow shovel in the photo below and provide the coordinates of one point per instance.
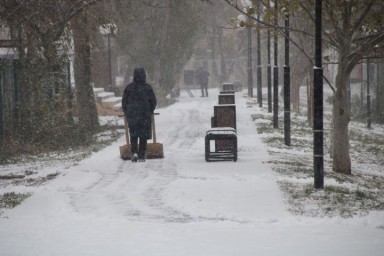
(154, 150)
(125, 150)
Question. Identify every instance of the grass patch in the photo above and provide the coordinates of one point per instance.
(82, 144)
(343, 195)
(26, 168)
(40, 180)
(11, 200)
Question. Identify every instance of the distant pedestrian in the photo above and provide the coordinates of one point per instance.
(202, 78)
(139, 103)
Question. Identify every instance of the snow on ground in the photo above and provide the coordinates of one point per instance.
(179, 205)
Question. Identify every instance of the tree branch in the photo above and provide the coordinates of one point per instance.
(363, 16)
(281, 31)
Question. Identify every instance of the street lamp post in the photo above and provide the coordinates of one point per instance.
(108, 30)
(269, 71)
(259, 70)
(287, 85)
(318, 154)
(243, 20)
(110, 61)
(275, 75)
(1, 113)
(369, 120)
(69, 94)
(249, 63)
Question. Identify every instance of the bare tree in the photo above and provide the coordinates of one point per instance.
(355, 27)
(352, 29)
(158, 34)
(81, 28)
(39, 32)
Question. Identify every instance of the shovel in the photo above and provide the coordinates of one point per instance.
(154, 150)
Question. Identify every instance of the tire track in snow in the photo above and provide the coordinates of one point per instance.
(98, 197)
(136, 190)
(186, 132)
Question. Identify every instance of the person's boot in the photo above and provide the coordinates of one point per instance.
(141, 156)
(134, 158)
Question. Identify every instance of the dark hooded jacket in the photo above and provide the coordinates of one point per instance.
(202, 76)
(139, 102)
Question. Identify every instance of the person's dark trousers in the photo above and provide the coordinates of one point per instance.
(204, 88)
(134, 141)
(142, 146)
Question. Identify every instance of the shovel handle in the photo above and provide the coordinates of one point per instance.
(154, 127)
(126, 130)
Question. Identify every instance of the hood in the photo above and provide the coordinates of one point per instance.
(139, 75)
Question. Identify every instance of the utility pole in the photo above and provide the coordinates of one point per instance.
(287, 85)
(318, 151)
(275, 74)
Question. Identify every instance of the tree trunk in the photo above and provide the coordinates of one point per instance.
(29, 89)
(341, 118)
(163, 23)
(8, 97)
(295, 93)
(88, 118)
(56, 85)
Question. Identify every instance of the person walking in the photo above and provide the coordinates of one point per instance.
(139, 103)
(202, 78)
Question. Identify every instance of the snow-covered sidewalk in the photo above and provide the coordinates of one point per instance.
(179, 205)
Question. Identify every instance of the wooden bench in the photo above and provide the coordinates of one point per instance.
(224, 115)
(226, 135)
(227, 92)
(228, 87)
(226, 99)
(223, 132)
